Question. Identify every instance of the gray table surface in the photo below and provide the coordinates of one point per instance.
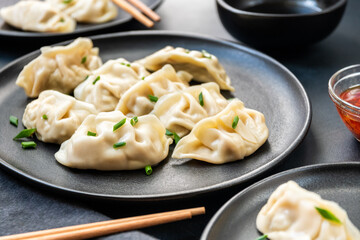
(27, 207)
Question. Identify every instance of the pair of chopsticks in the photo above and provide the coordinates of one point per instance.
(125, 5)
(97, 229)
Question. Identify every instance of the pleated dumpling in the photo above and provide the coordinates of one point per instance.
(203, 66)
(110, 141)
(230, 135)
(180, 111)
(107, 84)
(141, 98)
(37, 16)
(60, 68)
(291, 214)
(87, 11)
(55, 116)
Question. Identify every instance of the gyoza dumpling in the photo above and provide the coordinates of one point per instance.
(290, 214)
(37, 16)
(203, 66)
(129, 146)
(180, 111)
(107, 84)
(219, 139)
(140, 98)
(88, 11)
(59, 68)
(56, 116)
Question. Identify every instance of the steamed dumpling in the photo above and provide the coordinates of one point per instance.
(37, 16)
(141, 144)
(88, 11)
(56, 116)
(140, 98)
(180, 111)
(214, 139)
(203, 66)
(59, 68)
(290, 214)
(107, 84)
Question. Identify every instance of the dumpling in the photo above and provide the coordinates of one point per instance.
(88, 11)
(56, 116)
(203, 66)
(37, 16)
(140, 98)
(107, 84)
(290, 214)
(130, 146)
(218, 139)
(60, 68)
(180, 111)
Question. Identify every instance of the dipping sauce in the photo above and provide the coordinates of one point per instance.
(284, 7)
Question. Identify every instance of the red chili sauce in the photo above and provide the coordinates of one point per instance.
(352, 96)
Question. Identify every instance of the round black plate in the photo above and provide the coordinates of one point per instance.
(335, 182)
(81, 28)
(261, 82)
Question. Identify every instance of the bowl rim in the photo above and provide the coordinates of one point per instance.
(336, 99)
(331, 8)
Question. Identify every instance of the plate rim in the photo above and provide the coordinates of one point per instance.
(185, 193)
(216, 216)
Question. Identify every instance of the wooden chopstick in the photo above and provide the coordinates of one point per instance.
(145, 9)
(91, 230)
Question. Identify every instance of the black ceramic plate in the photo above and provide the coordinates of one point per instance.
(261, 82)
(335, 182)
(81, 28)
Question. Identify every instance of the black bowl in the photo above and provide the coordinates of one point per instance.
(280, 23)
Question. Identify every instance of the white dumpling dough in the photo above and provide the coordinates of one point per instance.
(136, 101)
(116, 76)
(146, 143)
(180, 111)
(203, 66)
(59, 68)
(64, 115)
(37, 16)
(290, 214)
(88, 11)
(215, 141)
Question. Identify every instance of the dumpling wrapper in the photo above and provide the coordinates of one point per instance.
(136, 101)
(180, 111)
(290, 214)
(64, 115)
(146, 143)
(37, 16)
(59, 68)
(203, 66)
(215, 141)
(116, 77)
(87, 11)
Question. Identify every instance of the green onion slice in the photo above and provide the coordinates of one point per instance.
(235, 122)
(153, 98)
(201, 99)
(205, 54)
(119, 124)
(62, 20)
(45, 117)
(14, 120)
(134, 121)
(142, 78)
(128, 65)
(67, 1)
(87, 76)
(328, 215)
(263, 237)
(30, 144)
(83, 60)
(169, 133)
(25, 133)
(176, 137)
(119, 144)
(96, 79)
(89, 133)
(148, 170)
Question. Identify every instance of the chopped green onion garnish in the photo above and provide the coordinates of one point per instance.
(96, 79)
(148, 170)
(328, 215)
(14, 120)
(176, 137)
(134, 121)
(123, 63)
(235, 122)
(169, 133)
(30, 144)
(205, 54)
(142, 78)
(89, 133)
(119, 144)
(62, 20)
(201, 99)
(119, 124)
(25, 133)
(128, 65)
(83, 60)
(263, 237)
(44, 117)
(187, 51)
(153, 98)
(67, 1)
(86, 77)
